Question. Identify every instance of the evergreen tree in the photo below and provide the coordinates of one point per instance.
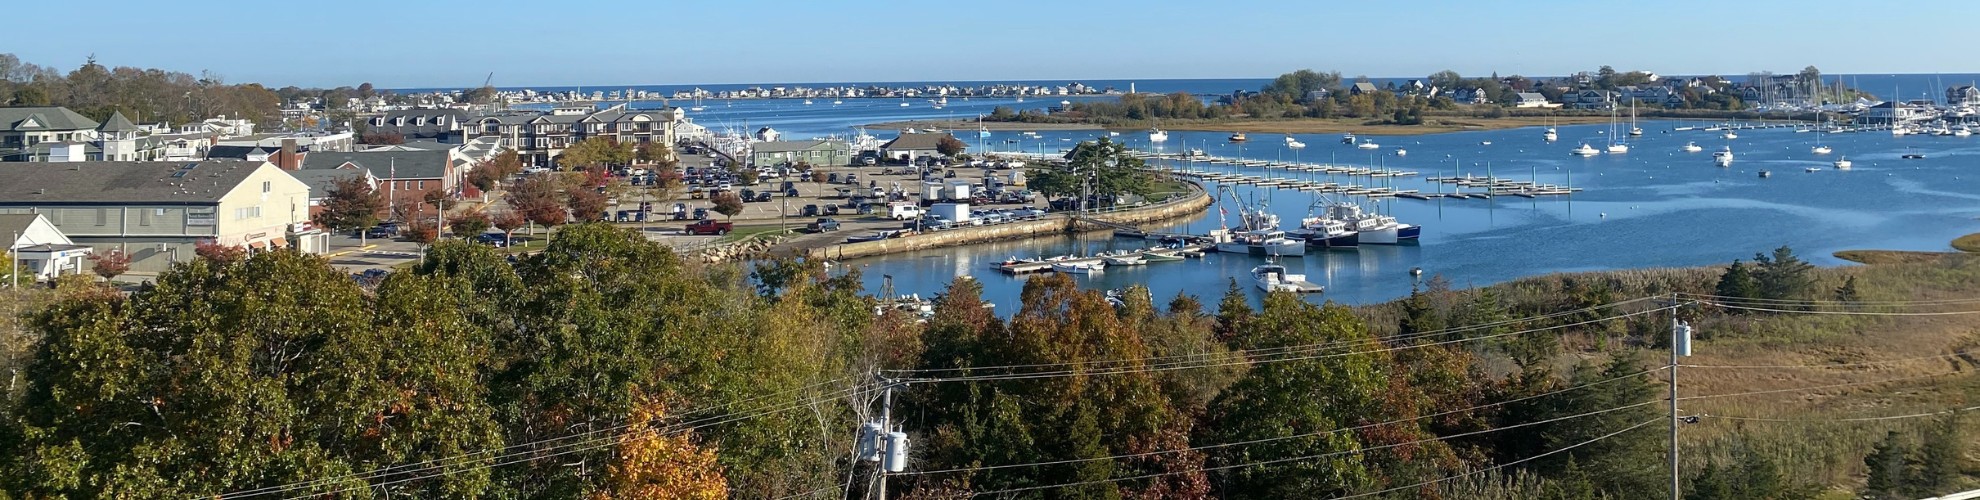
(1737, 282)
(1232, 312)
(1938, 460)
(1847, 292)
(1783, 275)
(1886, 466)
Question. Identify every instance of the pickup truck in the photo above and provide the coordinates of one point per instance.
(823, 225)
(707, 226)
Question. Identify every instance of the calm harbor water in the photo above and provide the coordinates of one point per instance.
(1655, 206)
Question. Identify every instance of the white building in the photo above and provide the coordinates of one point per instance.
(38, 246)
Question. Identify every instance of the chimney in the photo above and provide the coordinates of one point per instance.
(287, 159)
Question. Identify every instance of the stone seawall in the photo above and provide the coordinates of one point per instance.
(1053, 225)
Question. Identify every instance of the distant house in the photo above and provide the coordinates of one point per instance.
(907, 147)
(1532, 100)
(444, 125)
(1360, 88)
(1471, 96)
(814, 152)
(1589, 99)
(41, 248)
(1963, 95)
(402, 175)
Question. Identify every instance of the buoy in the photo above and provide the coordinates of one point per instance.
(1605, 215)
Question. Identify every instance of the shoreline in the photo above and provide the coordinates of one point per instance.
(1267, 126)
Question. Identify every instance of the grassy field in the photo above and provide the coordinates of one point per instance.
(1968, 243)
(1888, 256)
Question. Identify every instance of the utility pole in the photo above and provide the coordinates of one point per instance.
(886, 425)
(1680, 346)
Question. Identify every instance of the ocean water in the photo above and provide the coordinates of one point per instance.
(1653, 207)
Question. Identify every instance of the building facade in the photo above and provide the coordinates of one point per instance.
(540, 137)
(814, 152)
(158, 212)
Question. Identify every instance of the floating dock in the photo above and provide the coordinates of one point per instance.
(1045, 266)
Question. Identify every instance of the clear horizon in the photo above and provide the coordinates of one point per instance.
(446, 43)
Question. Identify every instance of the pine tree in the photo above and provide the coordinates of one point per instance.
(1232, 312)
(1737, 282)
(1886, 466)
(1938, 460)
(1847, 292)
(1783, 275)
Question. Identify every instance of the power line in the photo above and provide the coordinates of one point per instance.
(1184, 366)
(1296, 436)
(505, 452)
(1838, 313)
(1799, 389)
(1856, 419)
(1323, 455)
(1507, 464)
(1836, 365)
(1274, 350)
(1710, 297)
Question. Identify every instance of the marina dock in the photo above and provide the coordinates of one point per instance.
(1045, 265)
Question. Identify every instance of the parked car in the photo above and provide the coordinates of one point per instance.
(494, 239)
(808, 211)
(823, 224)
(381, 231)
(707, 226)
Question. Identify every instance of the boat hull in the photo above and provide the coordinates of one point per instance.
(1294, 248)
(1345, 240)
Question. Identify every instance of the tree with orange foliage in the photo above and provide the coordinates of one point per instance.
(651, 464)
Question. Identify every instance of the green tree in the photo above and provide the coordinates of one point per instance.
(1847, 293)
(1737, 282)
(1886, 467)
(596, 152)
(1939, 459)
(727, 204)
(351, 204)
(470, 223)
(1782, 275)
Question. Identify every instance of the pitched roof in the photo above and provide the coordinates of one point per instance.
(385, 164)
(917, 141)
(11, 224)
(117, 123)
(1364, 87)
(44, 118)
(122, 181)
(320, 181)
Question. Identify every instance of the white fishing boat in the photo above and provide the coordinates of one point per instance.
(1079, 267)
(1123, 260)
(1551, 135)
(1692, 147)
(1402, 152)
(1586, 150)
(1157, 135)
(1296, 145)
(1372, 228)
(1238, 137)
(1274, 278)
(1729, 135)
(1323, 232)
(1347, 139)
(1843, 163)
(1264, 242)
(1962, 131)
(1367, 144)
(1724, 157)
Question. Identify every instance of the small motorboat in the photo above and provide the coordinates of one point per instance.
(1078, 267)
(1913, 156)
(1765, 174)
(1124, 260)
(1238, 137)
(1843, 163)
(1692, 147)
(1402, 152)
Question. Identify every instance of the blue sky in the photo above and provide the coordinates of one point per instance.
(423, 43)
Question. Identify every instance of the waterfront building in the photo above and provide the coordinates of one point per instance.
(1532, 100)
(908, 147)
(156, 212)
(1962, 95)
(444, 125)
(540, 137)
(815, 152)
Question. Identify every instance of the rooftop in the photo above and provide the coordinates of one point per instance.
(121, 181)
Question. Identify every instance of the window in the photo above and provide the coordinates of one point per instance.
(245, 213)
(422, 184)
(144, 216)
(267, 186)
(102, 216)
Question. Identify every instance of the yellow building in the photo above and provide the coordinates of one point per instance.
(157, 212)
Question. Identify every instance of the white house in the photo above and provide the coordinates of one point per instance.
(37, 245)
(1532, 100)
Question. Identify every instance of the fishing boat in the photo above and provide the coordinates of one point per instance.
(1551, 135)
(1586, 150)
(1724, 157)
(1692, 147)
(1347, 139)
(1124, 260)
(1157, 135)
(1729, 135)
(1079, 267)
(1161, 257)
(1402, 152)
(1372, 228)
(1323, 232)
(1294, 143)
(1367, 144)
(1266, 242)
(1274, 278)
(1843, 163)
(1238, 137)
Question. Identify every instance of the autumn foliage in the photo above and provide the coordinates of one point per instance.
(651, 463)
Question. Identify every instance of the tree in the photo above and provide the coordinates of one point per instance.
(1446, 80)
(110, 263)
(587, 203)
(422, 230)
(365, 90)
(1939, 459)
(1847, 292)
(654, 464)
(1737, 282)
(470, 223)
(1886, 467)
(489, 173)
(351, 204)
(508, 221)
(655, 153)
(1782, 275)
(382, 138)
(596, 152)
(950, 146)
(218, 253)
(536, 198)
(727, 204)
